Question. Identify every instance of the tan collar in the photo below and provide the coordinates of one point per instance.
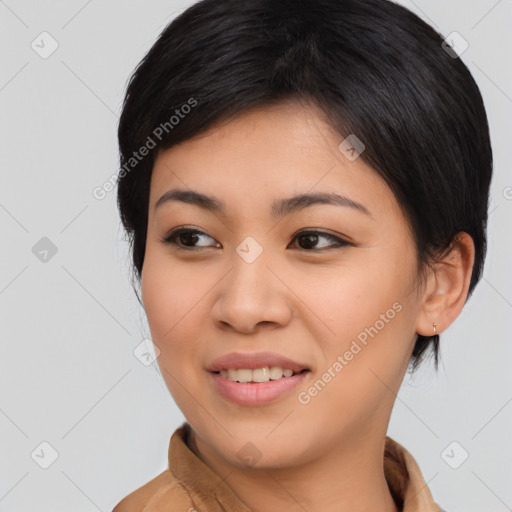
(401, 470)
(405, 480)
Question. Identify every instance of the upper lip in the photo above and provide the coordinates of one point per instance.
(253, 360)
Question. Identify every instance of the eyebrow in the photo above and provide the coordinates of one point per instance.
(279, 208)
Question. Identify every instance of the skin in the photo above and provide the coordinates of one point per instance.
(308, 304)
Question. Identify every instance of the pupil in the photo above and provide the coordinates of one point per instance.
(185, 236)
(312, 237)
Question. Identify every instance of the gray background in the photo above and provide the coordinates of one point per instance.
(69, 325)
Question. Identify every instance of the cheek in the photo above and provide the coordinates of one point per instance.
(348, 297)
(172, 300)
(369, 311)
(175, 313)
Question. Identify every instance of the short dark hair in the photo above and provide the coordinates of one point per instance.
(373, 68)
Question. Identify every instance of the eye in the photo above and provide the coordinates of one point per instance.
(311, 238)
(187, 238)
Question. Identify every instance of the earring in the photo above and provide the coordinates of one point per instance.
(435, 328)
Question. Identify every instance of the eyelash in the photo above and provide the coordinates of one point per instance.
(172, 235)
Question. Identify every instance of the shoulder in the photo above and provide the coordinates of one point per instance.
(162, 494)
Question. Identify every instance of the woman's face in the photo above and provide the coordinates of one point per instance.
(341, 304)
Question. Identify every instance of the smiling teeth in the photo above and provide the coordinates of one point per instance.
(264, 374)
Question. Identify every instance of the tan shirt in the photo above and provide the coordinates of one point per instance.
(189, 485)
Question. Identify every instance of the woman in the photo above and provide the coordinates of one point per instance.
(305, 186)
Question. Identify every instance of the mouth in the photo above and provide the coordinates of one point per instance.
(253, 393)
(258, 375)
(256, 378)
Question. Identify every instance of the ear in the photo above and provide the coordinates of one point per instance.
(447, 286)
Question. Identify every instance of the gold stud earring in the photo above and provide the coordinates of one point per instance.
(435, 328)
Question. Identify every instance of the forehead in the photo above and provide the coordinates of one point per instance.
(268, 152)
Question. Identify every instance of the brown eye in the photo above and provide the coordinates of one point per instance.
(185, 238)
(310, 239)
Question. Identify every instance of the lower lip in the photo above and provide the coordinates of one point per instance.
(256, 393)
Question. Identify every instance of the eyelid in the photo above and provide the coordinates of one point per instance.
(324, 232)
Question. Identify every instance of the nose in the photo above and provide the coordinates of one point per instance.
(252, 296)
